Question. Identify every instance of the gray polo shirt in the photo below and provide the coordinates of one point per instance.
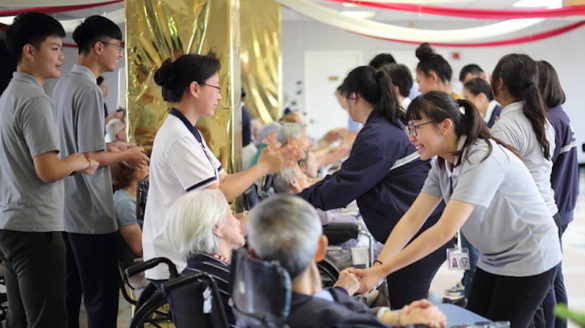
(510, 224)
(27, 130)
(515, 129)
(89, 204)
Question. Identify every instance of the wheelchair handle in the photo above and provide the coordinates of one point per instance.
(140, 267)
(183, 281)
(340, 232)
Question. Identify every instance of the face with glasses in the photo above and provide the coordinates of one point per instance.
(208, 96)
(425, 136)
(110, 51)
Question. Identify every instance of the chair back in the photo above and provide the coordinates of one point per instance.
(195, 301)
(261, 291)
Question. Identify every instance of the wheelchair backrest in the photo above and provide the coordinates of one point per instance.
(261, 291)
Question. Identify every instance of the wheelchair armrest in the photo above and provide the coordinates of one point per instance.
(143, 266)
(340, 232)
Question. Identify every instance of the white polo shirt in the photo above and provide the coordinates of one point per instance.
(180, 162)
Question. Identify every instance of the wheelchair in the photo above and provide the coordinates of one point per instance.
(185, 301)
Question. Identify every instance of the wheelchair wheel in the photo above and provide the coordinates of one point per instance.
(329, 272)
(153, 311)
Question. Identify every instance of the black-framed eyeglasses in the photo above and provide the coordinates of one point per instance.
(411, 131)
(213, 86)
(119, 45)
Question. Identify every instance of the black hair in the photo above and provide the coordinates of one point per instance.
(439, 106)
(478, 85)
(175, 76)
(31, 28)
(472, 69)
(549, 85)
(374, 87)
(92, 29)
(99, 80)
(401, 77)
(430, 61)
(519, 74)
(382, 59)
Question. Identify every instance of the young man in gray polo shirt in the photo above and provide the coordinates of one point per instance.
(31, 193)
(90, 223)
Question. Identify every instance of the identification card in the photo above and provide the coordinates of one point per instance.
(458, 259)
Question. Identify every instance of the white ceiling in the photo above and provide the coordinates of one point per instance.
(399, 17)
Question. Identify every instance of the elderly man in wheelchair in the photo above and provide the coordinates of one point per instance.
(286, 230)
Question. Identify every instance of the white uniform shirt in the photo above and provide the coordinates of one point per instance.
(515, 129)
(180, 162)
(510, 224)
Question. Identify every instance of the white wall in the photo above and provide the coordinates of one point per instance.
(566, 53)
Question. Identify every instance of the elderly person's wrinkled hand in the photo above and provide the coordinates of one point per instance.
(348, 281)
(422, 312)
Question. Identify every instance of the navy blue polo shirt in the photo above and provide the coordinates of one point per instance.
(564, 177)
(383, 196)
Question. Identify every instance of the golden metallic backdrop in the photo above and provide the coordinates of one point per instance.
(156, 30)
(261, 58)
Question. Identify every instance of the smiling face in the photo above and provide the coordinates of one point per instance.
(426, 137)
(209, 95)
(110, 51)
(46, 60)
(230, 231)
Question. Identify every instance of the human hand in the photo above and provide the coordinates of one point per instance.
(136, 157)
(79, 161)
(369, 278)
(422, 312)
(91, 168)
(277, 160)
(348, 281)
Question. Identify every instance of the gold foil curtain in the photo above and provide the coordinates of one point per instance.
(261, 58)
(157, 30)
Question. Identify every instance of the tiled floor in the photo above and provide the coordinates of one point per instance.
(573, 264)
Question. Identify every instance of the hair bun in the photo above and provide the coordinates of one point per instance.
(424, 51)
(164, 76)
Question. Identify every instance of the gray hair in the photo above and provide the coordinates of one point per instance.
(286, 229)
(112, 128)
(191, 219)
(290, 130)
(282, 179)
(268, 128)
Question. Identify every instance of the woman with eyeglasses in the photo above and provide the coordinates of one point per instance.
(491, 197)
(181, 161)
(383, 173)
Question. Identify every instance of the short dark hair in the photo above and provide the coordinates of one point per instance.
(472, 69)
(401, 77)
(478, 85)
(99, 80)
(31, 28)
(92, 29)
(430, 61)
(175, 76)
(382, 59)
(550, 85)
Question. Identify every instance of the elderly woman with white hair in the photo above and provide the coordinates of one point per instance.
(205, 232)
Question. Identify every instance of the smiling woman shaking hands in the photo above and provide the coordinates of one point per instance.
(491, 197)
(181, 160)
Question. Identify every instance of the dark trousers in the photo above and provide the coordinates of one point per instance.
(35, 278)
(545, 316)
(412, 283)
(473, 257)
(92, 270)
(504, 298)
